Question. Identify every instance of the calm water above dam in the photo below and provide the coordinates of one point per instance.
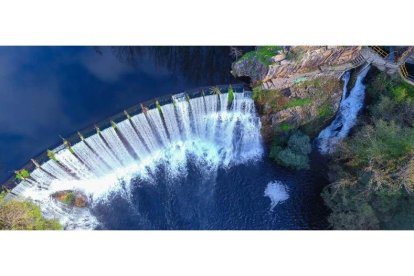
(224, 181)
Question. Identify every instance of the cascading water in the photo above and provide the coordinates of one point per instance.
(347, 115)
(207, 129)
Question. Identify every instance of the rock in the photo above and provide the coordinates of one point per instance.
(279, 57)
(71, 198)
(299, 105)
(249, 68)
(299, 61)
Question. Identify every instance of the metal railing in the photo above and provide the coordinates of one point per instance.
(380, 51)
(121, 116)
(405, 74)
(400, 55)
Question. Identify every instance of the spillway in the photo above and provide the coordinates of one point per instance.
(207, 127)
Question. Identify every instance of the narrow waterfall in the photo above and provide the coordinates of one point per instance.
(206, 128)
(347, 114)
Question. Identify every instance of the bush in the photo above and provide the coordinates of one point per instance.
(293, 160)
(292, 153)
(402, 91)
(263, 54)
(373, 172)
(362, 218)
(300, 143)
(378, 143)
(298, 102)
(24, 215)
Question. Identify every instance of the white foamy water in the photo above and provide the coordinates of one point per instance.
(204, 129)
(277, 193)
(347, 114)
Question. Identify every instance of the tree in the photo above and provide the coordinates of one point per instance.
(24, 215)
(294, 154)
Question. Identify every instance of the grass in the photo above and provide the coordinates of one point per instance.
(263, 54)
(325, 110)
(297, 102)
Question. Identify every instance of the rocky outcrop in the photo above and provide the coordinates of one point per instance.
(308, 105)
(251, 68)
(299, 63)
(71, 198)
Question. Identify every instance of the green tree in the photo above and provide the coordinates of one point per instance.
(24, 215)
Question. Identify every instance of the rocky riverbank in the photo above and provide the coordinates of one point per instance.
(297, 92)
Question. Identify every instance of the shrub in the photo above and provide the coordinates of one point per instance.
(292, 153)
(24, 215)
(293, 160)
(402, 91)
(300, 143)
(298, 102)
(284, 126)
(68, 198)
(379, 143)
(373, 172)
(263, 54)
(22, 174)
(325, 111)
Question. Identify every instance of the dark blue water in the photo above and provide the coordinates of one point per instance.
(51, 91)
(233, 199)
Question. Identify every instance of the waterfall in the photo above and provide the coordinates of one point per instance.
(347, 114)
(205, 128)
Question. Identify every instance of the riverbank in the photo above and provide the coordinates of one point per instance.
(368, 177)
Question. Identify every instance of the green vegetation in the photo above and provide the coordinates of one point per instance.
(69, 146)
(68, 198)
(373, 170)
(157, 104)
(113, 124)
(263, 54)
(297, 102)
(22, 174)
(312, 112)
(275, 101)
(23, 215)
(325, 110)
(285, 126)
(51, 155)
(292, 152)
(294, 56)
(230, 96)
